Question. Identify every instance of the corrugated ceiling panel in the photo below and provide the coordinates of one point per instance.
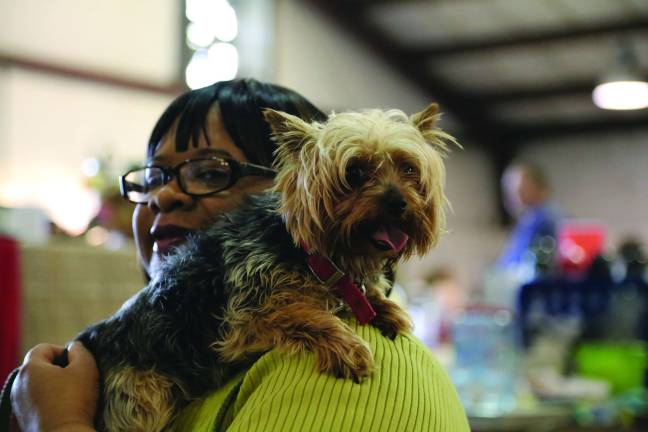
(550, 63)
(528, 16)
(422, 22)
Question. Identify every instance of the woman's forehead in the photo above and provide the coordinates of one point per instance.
(169, 155)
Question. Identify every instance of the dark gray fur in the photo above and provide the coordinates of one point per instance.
(170, 324)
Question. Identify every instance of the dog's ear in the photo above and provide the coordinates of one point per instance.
(288, 130)
(425, 120)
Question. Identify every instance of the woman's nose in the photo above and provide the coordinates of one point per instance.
(169, 198)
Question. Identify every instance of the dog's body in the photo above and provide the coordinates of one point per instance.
(362, 192)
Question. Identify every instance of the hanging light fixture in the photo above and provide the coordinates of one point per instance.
(623, 87)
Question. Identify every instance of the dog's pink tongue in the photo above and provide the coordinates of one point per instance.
(394, 237)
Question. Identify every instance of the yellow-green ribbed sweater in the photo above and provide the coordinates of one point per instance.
(409, 391)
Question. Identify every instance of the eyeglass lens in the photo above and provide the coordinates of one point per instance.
(204, 176)
(196, 177)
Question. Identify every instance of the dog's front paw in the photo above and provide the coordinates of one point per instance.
(387, 328)
(391, 319)
(350, 359)
(391, 324)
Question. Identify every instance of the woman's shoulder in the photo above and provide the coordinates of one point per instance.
(409, 390)
(404, 353)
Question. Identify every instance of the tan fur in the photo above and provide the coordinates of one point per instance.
(320, 208)
(293, 322)
(137, 401)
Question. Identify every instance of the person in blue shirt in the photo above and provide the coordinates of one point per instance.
(526, 195)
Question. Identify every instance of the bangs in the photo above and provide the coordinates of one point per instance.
(241, 103)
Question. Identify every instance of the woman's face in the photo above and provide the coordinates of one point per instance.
(171, 214)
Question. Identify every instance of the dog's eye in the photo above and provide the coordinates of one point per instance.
(408, 169)
(356, 175)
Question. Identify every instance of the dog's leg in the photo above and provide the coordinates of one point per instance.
(390, 318)
(302, 326)
(137, 400)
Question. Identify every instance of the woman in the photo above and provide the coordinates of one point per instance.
(279, 391)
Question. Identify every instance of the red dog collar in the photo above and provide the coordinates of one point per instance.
(330, 275)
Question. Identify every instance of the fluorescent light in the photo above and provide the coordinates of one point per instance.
(217, 15)
(621, 95)
(200, 35)
(225, 56)
(225, 22)
(218, 63)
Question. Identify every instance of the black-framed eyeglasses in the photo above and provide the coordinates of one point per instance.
(196, 177)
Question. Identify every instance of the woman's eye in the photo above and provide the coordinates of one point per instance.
(211, 175)
(207, 174)
(355, 175)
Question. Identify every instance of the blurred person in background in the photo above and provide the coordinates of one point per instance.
(225, 121)
(633, 256)
(527, 198)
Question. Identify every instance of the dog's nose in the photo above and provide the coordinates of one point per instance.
(394, 201)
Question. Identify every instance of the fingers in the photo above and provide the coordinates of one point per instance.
(43, 354)
(80, 358)
(78, 353)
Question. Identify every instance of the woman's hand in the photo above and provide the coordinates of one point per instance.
(46, 397)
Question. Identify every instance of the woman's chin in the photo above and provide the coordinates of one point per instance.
(155, 264)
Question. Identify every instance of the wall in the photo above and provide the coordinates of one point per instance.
(136, 39)
(474, 238)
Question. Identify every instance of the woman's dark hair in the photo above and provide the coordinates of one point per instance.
(241, 104)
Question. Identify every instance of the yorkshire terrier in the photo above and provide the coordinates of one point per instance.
(284, 271)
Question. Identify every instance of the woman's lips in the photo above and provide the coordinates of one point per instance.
(166, 237)
(163, 246)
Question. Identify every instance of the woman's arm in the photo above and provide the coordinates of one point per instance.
(46, 397)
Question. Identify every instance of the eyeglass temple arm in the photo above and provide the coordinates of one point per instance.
(257, 170)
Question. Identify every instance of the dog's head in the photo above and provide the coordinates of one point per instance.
(364, 184)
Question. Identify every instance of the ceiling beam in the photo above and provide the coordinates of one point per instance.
(95, 76)
(472, 46)
(573, 88)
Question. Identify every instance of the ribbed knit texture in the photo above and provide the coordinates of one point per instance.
(409, 391)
